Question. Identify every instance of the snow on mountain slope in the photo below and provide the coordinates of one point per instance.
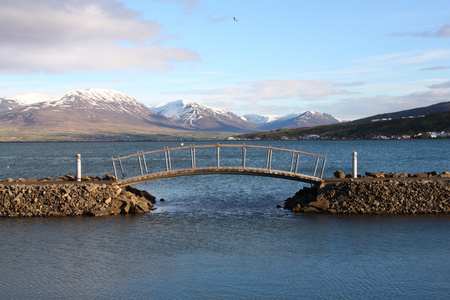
(202, 117)
(298, 120)
(32, 98)
(261, 120)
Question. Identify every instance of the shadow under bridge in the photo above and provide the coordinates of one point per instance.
(219, 159)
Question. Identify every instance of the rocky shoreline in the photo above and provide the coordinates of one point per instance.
(72, 199)
(425, 193)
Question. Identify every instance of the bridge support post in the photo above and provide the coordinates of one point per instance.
(78, 167)
(355, 164)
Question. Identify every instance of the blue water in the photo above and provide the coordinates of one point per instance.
(222, 237)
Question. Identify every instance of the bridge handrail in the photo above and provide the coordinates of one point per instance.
(218, 145)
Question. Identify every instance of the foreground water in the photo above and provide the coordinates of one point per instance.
(223, 237)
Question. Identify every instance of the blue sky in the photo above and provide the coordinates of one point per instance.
(348, 58)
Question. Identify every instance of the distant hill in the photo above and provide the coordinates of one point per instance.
(424, 121)
(421, 111)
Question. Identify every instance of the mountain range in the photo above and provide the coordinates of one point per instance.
(108, 114)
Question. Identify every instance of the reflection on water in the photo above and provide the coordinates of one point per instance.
(171, 255)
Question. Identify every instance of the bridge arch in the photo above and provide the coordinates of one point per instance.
(219, 159)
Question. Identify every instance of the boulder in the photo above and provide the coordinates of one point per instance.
(311, 210)
(109, 177)
(321, 204)
(339, 174)
(371, 174)
(97, 213)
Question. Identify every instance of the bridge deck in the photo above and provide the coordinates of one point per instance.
(222, 170)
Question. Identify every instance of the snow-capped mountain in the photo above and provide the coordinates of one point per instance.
(296, 120)
(200, 117)
(261, 120)
(90, 112)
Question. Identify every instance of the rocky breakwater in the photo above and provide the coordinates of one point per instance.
(377, 195)
(72, 199)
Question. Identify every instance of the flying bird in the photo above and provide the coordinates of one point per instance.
(234, 19)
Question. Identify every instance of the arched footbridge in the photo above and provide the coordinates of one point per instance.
(219, 159)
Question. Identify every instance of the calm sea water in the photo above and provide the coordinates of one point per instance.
(222, 237)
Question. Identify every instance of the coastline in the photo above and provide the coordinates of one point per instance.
(415, 194)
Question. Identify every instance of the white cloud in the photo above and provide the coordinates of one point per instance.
(80, 35)
(360, 107)
(405, 57)
(256, 91)
(435, 68)
(444, 85)
(443, 31)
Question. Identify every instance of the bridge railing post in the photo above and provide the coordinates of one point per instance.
(244, 152)
(168, 163)
(114, 167)
(315, 168)
(323, 167)
(296, 162)
(292, 162)
(218, 156)
(121, 168)
(269, 159)
(140, 165)
(193, 158)
(145, 164)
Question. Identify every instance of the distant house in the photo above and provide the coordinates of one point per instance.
(311, 137)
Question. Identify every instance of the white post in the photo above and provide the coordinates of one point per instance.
(78, 167)
(355, 164)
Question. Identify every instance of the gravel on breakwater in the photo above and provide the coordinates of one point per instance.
(376, 195)
(61, 198)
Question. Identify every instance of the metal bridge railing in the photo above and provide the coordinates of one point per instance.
(218, 156)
